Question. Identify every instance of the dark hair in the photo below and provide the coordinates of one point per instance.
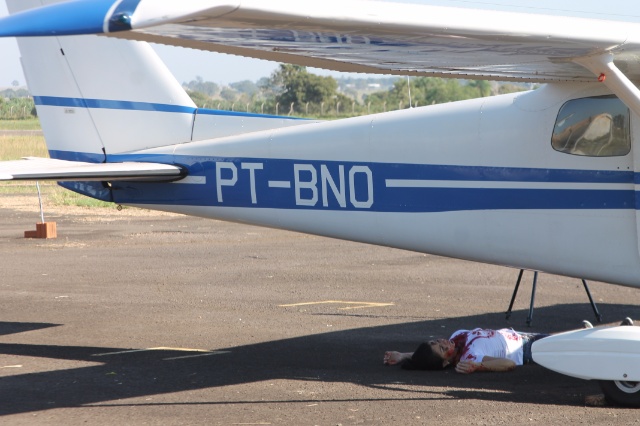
(424, 359)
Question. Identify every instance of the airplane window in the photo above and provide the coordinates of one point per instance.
(595, 127)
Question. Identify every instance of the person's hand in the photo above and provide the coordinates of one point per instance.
(392, 358)
(467, 367)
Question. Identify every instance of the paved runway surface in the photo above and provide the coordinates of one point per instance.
(129, 318)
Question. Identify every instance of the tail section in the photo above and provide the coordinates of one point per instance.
(101, 96)
(97, 96)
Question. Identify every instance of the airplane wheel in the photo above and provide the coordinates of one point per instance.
(622, 393)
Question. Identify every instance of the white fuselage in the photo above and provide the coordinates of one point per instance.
(476, 180)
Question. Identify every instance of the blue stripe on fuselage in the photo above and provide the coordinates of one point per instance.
(320, 185)
(145, 106)
(110, 104)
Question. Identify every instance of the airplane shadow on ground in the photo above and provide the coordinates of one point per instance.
(350, 356)
(7, 328)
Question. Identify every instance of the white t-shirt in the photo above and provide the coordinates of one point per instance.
(478, 343)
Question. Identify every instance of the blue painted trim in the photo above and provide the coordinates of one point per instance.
(505, 174)
(68, 18)
(145, 106)
(120, 20)
(203, 111)
(91, 189)
(434, 172)
(110, 104)
(86, 157)
(404, 171)
(385, 199)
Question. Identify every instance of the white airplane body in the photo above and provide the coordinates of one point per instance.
(543, 180)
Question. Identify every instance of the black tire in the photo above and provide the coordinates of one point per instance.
(626, 394)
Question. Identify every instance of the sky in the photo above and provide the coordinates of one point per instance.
(186, 64)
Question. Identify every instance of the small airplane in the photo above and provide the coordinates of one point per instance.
(543, 180)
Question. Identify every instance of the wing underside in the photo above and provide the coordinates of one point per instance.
(392, 38)
(356, 35)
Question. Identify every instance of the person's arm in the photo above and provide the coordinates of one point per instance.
(393, 357)
(488, 364)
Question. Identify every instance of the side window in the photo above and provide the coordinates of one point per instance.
(595, 127)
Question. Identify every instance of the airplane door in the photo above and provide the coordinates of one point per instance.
(635, 152)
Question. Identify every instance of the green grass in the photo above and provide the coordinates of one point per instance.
(63, 197)
(28, 124)
(14, 147)
(25, 188)
(53, 194)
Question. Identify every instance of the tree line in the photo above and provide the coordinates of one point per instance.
(16, 107)
(292, 90)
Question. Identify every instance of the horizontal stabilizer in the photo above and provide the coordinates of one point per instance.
(32, 168)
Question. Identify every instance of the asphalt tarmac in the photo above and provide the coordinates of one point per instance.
(129, 318)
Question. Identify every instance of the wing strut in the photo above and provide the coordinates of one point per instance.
(609, 74)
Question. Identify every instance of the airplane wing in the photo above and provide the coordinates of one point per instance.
(32, 168)
(356, 35)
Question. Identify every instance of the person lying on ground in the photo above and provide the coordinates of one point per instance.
(468, 351)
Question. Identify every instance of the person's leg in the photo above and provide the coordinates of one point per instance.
(393, 357)
(527, 341)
